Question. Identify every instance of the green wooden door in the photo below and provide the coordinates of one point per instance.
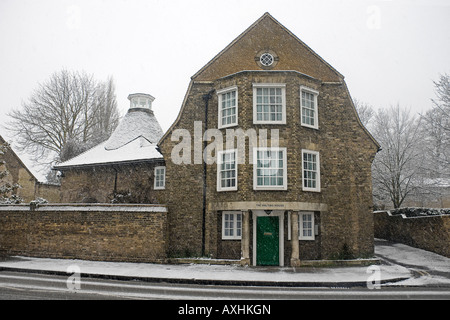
(267, 241)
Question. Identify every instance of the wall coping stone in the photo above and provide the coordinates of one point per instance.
(404, 216)
(85, 207)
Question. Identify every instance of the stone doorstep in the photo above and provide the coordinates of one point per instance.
(303, 263)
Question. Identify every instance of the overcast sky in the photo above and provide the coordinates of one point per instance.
(389, 51)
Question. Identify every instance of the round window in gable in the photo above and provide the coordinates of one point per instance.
(266, 59)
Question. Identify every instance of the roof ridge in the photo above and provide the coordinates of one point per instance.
(253, 25)
(231, 44)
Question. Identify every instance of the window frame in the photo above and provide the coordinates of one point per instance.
(301, 229)
(234, 228)
(317, 171)
(300, 226)
(157, 177)
(220, 154)
(220, 94)
(255, 168)
(257, 86)
(315, 93)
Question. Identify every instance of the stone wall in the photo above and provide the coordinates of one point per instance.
(134, 182)
(430, 233)
(91, 232)
(49, 192)
(184, 181)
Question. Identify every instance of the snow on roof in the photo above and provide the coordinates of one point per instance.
(137, 122)
(137, 150)
(135, 139)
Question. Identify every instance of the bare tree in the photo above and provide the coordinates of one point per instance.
(442, 102)
(105, 110)
(365, 112)
(396, 166)
(437, 128)
(64, 116)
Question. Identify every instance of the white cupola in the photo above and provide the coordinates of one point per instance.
(141, 100)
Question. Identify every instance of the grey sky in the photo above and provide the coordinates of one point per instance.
(388, 51)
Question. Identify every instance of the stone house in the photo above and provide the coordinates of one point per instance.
(267, 162)
(287, 169)
(126, 168)
(18, 174)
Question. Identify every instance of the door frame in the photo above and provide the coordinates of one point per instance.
(274, 213)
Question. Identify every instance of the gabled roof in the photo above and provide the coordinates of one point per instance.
(134, 140)
(267, 34)
(11, 152)
(137, 150)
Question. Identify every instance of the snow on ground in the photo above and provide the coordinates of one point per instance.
(211, 272)
(430, 268)
(427, 269)
(410, 256)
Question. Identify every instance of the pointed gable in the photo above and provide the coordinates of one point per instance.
(267, 35)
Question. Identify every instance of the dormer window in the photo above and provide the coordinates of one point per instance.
(141, 100)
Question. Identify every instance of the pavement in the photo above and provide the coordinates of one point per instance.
(400, 265)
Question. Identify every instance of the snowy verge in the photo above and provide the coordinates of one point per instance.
(203, 272)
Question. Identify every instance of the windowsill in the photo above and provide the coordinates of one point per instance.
(227, 190)
(309, 126)
(228, 126)
(283, 122)
(311, 190)
(283, 188)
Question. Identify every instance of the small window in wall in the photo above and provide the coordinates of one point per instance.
(266, 59)
(227, 170)
(306, 226)
(231, 225)
(311, 170)
(308, 103)
(160, 178)
(228, 107)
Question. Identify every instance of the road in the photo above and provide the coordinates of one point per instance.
(28, 286)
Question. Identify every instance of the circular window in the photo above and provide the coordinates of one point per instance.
(266, 59)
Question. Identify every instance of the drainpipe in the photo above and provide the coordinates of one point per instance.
(206, 98)
(115, 181)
